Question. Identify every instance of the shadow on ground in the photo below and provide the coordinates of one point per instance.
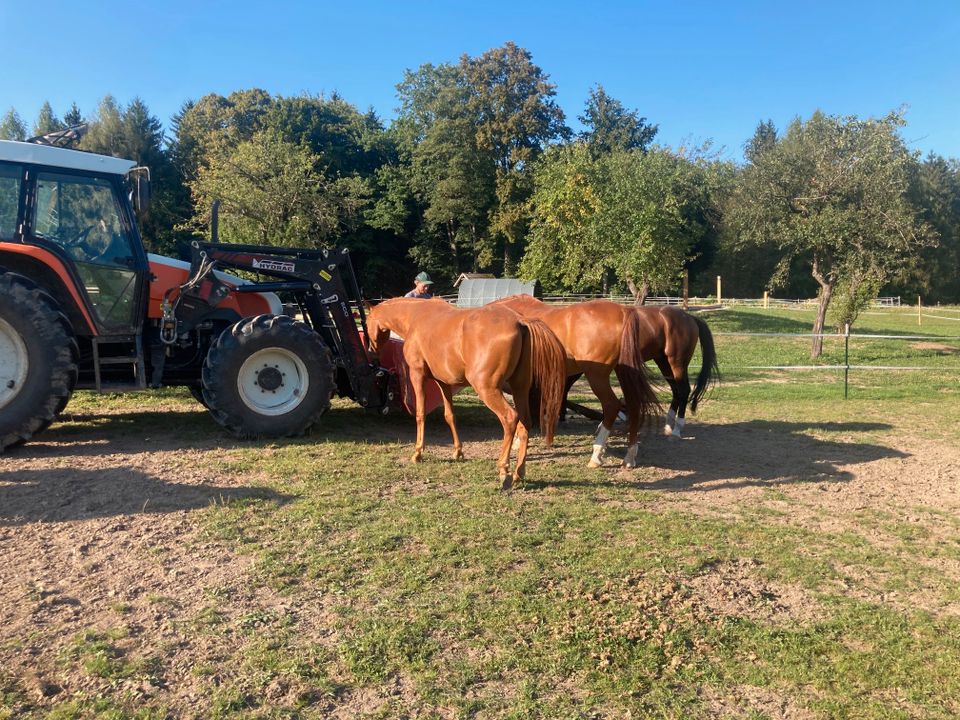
(711, 457)
(63, 494)
(762, 453)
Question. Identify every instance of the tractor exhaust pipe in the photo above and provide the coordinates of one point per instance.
(215, 222)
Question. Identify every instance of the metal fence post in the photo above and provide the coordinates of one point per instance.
(846, 359)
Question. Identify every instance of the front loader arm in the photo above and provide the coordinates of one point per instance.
(325, 287)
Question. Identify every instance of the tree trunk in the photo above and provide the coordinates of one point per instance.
(507, 258)
(452, 242)
(827, 284)
(639, 293)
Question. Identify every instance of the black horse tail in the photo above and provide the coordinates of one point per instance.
(710, 371)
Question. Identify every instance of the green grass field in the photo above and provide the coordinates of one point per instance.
(585, 594)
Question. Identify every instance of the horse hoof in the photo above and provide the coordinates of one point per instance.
(415, 458)
(667, 430)
(595, 463)
(627, 464)
(507, 482)
(458, 455)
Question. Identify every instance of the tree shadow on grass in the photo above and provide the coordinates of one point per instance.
(740, 321)
(745, 454)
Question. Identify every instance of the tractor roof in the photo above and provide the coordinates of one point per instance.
(62, 158)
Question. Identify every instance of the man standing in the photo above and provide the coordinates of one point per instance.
(421, 287)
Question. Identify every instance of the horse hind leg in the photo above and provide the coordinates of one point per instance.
(682, 394)
(600, 384)
(509, 419)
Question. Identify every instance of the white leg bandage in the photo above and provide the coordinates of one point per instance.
(669, 421)
(678, 427)
(599, 444)
(630, 459)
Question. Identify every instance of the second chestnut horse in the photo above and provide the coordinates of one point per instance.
(489, 348)
(600, 337)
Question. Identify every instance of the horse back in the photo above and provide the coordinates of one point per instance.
(469, 345)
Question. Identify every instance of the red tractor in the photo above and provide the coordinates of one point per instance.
(84, 306)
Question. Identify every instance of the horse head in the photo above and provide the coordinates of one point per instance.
(377, 333)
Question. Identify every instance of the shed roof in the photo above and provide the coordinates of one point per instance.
(474, 292)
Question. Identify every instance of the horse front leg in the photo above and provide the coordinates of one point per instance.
(447, 393)
(418, 381)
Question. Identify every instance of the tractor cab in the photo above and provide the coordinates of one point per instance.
(68, 214)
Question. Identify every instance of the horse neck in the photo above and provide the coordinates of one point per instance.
(398, 316)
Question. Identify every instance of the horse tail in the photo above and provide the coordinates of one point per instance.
(631, 370)
(710, 371)
(548, 362)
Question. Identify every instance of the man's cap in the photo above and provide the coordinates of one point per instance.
(424, 278)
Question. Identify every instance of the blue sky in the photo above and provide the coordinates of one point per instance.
(701, 70)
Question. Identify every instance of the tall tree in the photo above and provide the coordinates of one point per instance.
(47, 121)
(639, 215)
(214, 125)
(73, 116)
(831, 191)
(440, 189)
(131, 132)
(567, 250)
(935, 193)
(764, 138)
(105, 131)
(272, 193)
(516, 116)
(610, 126)
(12, 127)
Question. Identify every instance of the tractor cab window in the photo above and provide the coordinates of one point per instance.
(9, 199)
(83, 216)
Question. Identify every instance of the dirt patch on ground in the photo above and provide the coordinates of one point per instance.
(737, 589)
(98, 532)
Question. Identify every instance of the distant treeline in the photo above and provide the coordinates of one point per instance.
(480, 172)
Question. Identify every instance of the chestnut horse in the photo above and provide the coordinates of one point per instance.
(668, 336)
(600, 337)
(489, 348)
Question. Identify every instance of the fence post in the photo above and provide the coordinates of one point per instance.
(766, 298)
(919, 315)
(719, 298)
(846, 359)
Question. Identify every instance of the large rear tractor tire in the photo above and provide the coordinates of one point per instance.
(38, 359)
(268, 376)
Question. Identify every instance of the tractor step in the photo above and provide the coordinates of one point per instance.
(119, 350)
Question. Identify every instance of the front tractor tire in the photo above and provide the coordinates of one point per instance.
(268, 376)
(38, 359)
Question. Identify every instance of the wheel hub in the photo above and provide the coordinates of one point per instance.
(13, 363)
(269, 378)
